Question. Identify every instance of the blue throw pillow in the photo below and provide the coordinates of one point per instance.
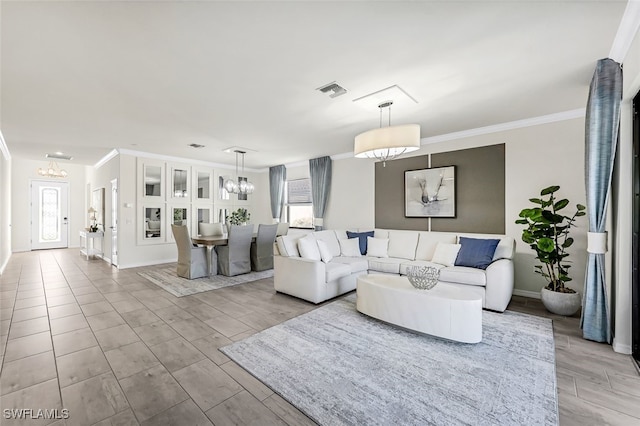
(476, 253)
(363, 239)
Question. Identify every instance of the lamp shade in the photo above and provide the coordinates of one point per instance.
(387, 142)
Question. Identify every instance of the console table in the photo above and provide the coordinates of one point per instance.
(88, 243)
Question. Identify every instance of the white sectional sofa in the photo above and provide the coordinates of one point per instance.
(311, 278)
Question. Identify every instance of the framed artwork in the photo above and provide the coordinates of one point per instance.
(430, 192)
(97, 202)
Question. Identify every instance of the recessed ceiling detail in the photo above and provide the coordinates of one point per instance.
(59, 156)
(395, 94)
(233, 149)
(333, 87)
(196, 145)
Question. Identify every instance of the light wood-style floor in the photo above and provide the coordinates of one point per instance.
(114, 349)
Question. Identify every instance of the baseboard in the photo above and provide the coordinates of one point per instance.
(621, 348)
(147, 263)
(527, 293)
(4, 265)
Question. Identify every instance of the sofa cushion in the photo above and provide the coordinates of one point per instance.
(506, 248)
(390, 265)
(380, 233)
(349, 247)
(406, 265)
(288, 246)
(428, 241)
(476, 252)
(446, 254)
(329, 237)
(308, 248)
(334, 270)
(377, 247)
(325, 253)
(463, 275)
(362, 239)
(403, 244)
(357, 264)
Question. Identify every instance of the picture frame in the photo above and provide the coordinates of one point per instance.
(430, 192)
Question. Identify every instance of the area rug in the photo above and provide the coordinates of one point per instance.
(341, 367)
(167, 278)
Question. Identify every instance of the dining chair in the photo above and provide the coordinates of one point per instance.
(192, 261)
(235, 258)
(262, 248)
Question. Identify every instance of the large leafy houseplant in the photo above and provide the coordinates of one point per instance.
(547, 233)
(239, 217)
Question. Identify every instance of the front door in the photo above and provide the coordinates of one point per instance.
(49, 214)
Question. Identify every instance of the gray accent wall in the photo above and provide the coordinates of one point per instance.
(480, 191)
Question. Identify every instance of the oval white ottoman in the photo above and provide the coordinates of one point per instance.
(444, 311)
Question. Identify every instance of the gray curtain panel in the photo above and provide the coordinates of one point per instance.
(277, 178)
(320, 172)
(601, 139)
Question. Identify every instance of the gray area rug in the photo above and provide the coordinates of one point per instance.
(167, 278)
(340, 367)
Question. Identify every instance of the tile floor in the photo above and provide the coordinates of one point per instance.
(114, 349)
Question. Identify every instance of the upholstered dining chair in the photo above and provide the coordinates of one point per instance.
(262, 248)
(192, 261)
(234, 258)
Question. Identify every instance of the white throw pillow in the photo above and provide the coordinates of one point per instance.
(446, 254)
(308, 248)
(350, 247)
(377, 247)
(325, 252)
(288, 246)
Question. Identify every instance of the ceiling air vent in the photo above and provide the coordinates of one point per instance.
(333, 87)
(196, 145)
(59, 156)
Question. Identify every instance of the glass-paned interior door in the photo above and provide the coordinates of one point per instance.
(49, 215)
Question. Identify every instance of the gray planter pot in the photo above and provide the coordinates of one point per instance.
(565, 304)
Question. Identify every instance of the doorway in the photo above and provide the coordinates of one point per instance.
(635, 278)
(49, 215)
(114, 222)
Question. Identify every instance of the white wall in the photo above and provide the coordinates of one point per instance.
(22, 172)
(131, 251)
(351, 200)
(5, 212)
(101, 178)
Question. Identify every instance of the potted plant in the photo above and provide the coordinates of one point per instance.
(547, 233)
(238, 217)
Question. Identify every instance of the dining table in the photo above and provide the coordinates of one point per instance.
(210, 242)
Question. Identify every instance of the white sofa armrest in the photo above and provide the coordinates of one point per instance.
(499, 287)
(303, 278)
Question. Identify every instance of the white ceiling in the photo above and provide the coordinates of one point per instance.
(85, 77)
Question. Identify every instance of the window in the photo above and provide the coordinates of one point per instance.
(298, 208)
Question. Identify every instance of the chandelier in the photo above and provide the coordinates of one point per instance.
(52, 171)
(386, 143)
(239, 186)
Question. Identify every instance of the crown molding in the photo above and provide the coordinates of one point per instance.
(511, 125)
(4, 148)
(629, 25)
(182, 160)
(105, 159)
